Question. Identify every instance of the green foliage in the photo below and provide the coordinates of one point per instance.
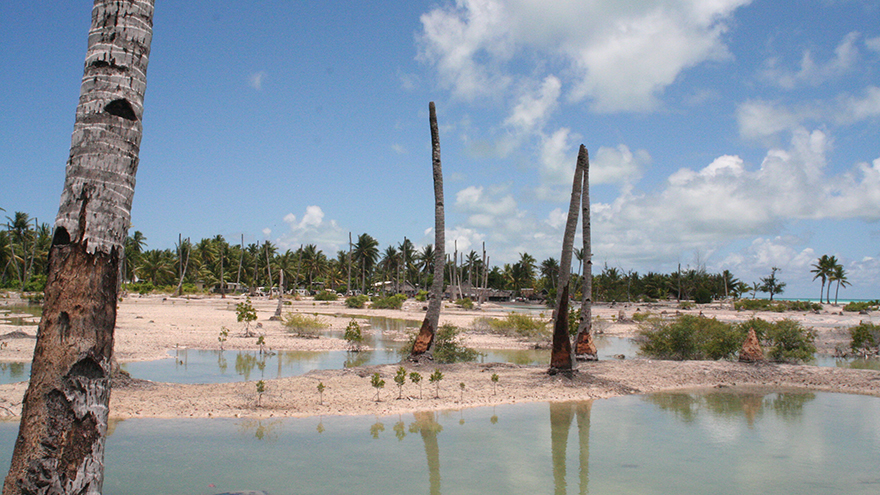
(448, 347)
(686, 305)
(640, 317)
(261, 388)
(702, 296)
(378, 383)
(353, 335)
(515, 325)
(391, 302)
(787, 340)
(141, 288)
(462, 386)
(224, 333)
(303, 325)
(494, 379)
(37, 283)
(356, 302)
(326, 295)
(422, 296)
(465, 303)
(321, 389)
(246, 313)
(775, 306)
(865, 337)
(400, 380)
(416, 378)
(435, 378)
(857, 306)
(690, 337)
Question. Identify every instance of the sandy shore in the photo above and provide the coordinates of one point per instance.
(149, 327)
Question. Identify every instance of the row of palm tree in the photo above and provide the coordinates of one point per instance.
(829, 270)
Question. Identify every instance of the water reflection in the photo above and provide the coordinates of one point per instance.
(427, 426)
(747, 403)
(561, 416)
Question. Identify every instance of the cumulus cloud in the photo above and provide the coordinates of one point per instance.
(618, 56)
(813, 73)
(312, 229)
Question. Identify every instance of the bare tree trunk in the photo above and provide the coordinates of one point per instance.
(240, 261)
(561, 356)
(185, 266)
(424, 344)
(60, 444)
(584, 348)
(349, 264)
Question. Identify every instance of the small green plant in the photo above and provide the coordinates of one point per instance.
(461, 386)
(321, 389)
(416, 378)
(261, 388)
(304, 326)
(326, 295)
(465, 303)
(788, 341)
(435, 378)
(864, 338)
(857, 306)
(391, 302)
(448, 346)
(353, 336)
(422, 296)
(246, 313)
(356, 302)
(261, 341)
(400, 380)
(515, 325)
(640, 316)
(378, 383)
(494, 379)
(224, 334)
(686, 305)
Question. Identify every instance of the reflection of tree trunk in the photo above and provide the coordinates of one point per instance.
(424, 344)
(60, 444)
(582, 409)
(560, 424)
(428, 427)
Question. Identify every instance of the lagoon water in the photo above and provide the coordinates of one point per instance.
(732, 441)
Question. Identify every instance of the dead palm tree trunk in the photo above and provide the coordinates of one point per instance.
(561, 356)
(584, 348)
(424, 344)
(60, 444)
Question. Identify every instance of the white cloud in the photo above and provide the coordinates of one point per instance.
(267, 232)
(759, 119)
(399, 149)
(532, 110)
(617, 165)
(618, 55)
(811, 72)
(312, 229)
(256, 79)
(873, 44)
(854, 109)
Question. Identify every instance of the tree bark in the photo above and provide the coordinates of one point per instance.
(561, 357)
(60, 444)
(424, 344)
(584, 348)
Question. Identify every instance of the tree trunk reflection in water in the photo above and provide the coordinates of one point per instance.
(426, 424)
(561, 415)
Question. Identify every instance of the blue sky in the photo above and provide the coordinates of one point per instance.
(740, 135)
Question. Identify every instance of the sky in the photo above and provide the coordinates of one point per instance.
(732, 134)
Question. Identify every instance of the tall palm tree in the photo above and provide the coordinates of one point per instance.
(60, 444)
(839, 276)
(426, 262)
(550, 271)
(313, 263)
(831, 267)
(822, 270)
(390, 264)
(134, 246)
(365, 255)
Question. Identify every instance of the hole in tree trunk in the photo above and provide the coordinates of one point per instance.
(61, 237)
(120, 108)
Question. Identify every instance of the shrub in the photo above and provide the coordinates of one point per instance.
(353, 336)
(787, 340)
(686, 305)
(775, 306)
(702, 296)
(856, 306)
(422, 296)
(390, 302)
(303, 325)
(465, 303)
(448, 347)
(865, 337)
(356, 302)
(516, 325)
(690, 337)
(640, 317)
(326, 295)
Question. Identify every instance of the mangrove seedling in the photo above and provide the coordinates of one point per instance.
(461, 386)
(494, 379)
(246, 313)
(416, 378)
(400, 380)
(377, 382)
(353, 336)
(224, 333)
(321, 389)
(261, 341)
(435, 378)
(261, 388)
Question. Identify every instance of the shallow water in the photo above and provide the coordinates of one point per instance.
(717, 442)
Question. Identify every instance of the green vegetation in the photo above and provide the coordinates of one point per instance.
(390, 302)
(303, 325)
(400, 380)
(224, 334)
(697, 337)
(422, 296)
(448, 347)
(416, 378)
(461, 386)
(865, 338)
(356, 302)
(321, 389)
(326, 295)
(465, 303)
(261, 388)
(378, 383)
(859, 306)
(246, 313)
(775, 306)
(515, 325)
(435, 378)
(494, 379)
(353, 336)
